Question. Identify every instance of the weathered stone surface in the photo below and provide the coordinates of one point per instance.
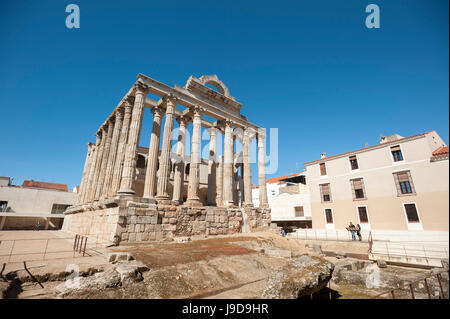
(381, 263)
(99, 281)
(131, 270)
(317, 249)
(303, 276)
(119, 256)
(278, 252)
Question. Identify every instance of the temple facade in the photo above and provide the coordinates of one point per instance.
(133, 193)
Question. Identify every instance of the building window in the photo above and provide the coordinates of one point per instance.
(299, 211)
(411, 213)
(397, 153)
(358, 188)
(329, 216)
(325, 193)
(323, 169)
(353, 162)
(362, 212)
(3, 206)
(59, 208)
(404, 184)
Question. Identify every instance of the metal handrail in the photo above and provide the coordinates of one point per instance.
(411, 288)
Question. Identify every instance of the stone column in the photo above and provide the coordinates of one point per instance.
(164, 163)
(95, 169)
(212, 166)
(178, 181)
(228, 152)
(90, 175)
(153, 152)
(263, 203)
(219, 182)
(129, 165)
(112, 153)
(194, 169)
(84, 178)
(101, 176)
(118, 165)
(248, 201)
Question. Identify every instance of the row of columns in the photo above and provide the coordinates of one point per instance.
(110, 166)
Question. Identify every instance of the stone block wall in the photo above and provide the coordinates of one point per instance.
(135, 222)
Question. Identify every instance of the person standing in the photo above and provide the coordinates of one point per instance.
(352, 229)
(358, 232)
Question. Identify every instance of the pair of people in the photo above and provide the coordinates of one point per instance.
(355, 230)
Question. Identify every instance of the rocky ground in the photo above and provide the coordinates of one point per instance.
(255, 265)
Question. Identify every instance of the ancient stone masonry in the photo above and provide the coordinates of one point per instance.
(148, 194)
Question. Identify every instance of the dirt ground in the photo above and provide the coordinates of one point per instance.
(229, 266)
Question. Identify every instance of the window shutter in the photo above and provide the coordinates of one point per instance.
(395, 148)
(357, 183)
(403, 177)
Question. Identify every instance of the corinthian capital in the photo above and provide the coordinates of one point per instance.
(140, 88)
(158, 111)
(170, 99)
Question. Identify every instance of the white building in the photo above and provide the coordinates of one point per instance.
(22, 207)
(288, 198)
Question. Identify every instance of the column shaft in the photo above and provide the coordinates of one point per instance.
(99, 163)
(178, 182)
(101, 176)
(118, 165)
(112, 153)
(194, 169)
(129, 165)
(85, 175)
(164, 163)
(228, 152)
(153, 152)
(219, 182)
(248, 201)
(95, 169)
(262, 172)
(212, 167)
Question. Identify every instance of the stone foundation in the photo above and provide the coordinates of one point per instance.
(141, 222)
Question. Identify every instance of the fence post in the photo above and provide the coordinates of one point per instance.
(85, 243)
(10, 252)
(412, 291)
(428, 288)
(45, 251)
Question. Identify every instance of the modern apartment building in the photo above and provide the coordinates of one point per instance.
(400, 184)
(22, 207)
(288, 198)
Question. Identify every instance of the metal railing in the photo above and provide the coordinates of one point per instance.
(326, 234)
(410, 287)
(46, 248)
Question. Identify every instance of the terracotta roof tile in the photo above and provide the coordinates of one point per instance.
(441, 151)
(54, 186)
(280, 178)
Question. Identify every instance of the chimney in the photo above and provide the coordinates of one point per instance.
(323, 155)
(383, 139)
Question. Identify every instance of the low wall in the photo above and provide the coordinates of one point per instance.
(136, 222)
(99, 223)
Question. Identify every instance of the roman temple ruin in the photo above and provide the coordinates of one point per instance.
(134, 193)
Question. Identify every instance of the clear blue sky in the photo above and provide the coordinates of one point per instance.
(309, 68)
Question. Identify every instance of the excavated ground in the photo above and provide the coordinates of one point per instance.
(232, 266)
